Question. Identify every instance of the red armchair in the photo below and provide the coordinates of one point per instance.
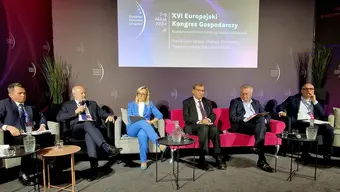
(228, 139)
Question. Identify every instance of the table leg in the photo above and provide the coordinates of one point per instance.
(37, 170)
(194, 165)
(44, 174)
(276, 151)
(291, 163)
(73, 173)
(48, 176)
(156, 164)
(177, 168)
(316, 158)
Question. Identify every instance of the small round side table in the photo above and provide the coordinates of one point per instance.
(55, 152)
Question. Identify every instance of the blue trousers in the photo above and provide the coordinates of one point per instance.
(143, 131)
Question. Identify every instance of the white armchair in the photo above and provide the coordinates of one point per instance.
(334, 120)
(130, 145)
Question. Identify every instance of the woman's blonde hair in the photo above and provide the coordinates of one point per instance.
(147, 94)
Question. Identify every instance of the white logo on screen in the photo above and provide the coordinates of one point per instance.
(138, 19)
(276, 72)
(337, 71)
(47, 47)
(173, 94)
(32, 69)
(260, 93)
(99, 71)
(80, 48)
(288, 93)
(206, 94)
(114, 93)
(11, 40)
(233, 93)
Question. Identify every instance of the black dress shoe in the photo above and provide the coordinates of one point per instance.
(327, 159)
(219, 163)
(93, 174)
(204, 165)
(264, 166)
(25, 180)
(111, 150)
(306, 158)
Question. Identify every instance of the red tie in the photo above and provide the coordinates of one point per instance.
(204, 115)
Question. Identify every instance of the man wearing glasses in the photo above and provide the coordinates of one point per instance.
(301, 108)
(199, 120)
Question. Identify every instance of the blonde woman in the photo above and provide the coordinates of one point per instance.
(140, 124)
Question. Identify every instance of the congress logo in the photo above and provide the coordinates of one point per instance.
(114, 93)
(174, 94)
(260, 93)
(47, 47)
(32, 69)
(99, 71)
(11, 41)
(276, 72)
(81, 49)
(233, 93)
(137, 20)
(288, 93)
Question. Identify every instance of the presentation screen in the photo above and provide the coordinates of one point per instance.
(188, 33)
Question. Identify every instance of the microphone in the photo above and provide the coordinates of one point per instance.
(82, 102)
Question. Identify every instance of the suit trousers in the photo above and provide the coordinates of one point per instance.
(205, 133)
(257, 127)
(93, 137)
(143, 131)
(325, 130)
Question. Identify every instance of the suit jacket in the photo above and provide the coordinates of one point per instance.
(237, 111)
(292, 105)
(67, 112)
(9, 114)
(149, 110)
(190, 113)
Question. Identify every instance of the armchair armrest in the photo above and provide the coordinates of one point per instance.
(331, 119)
(118, 131)
(160, 125)
(2, 137)
(276, 126)
(169, 126)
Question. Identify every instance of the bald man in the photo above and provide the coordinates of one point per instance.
(305, 106)
(85, 116)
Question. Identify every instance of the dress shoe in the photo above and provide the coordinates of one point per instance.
(25, 180)
(93, 174)
(306, 158)
(327, 159)
(111, 150)
(264, 166)
(204, 165)
(219, 163)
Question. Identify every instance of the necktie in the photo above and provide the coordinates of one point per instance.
(204, 115)
(23, 116)
(83, 114)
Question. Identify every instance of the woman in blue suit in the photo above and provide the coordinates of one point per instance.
(143, 129)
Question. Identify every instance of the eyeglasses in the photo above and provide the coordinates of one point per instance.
(142, 94)
(308, 88)
(200, 90)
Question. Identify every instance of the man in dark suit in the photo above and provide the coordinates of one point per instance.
(304, 106)
(245, 118)
(199, 120)
(15, 116)
(85, 115)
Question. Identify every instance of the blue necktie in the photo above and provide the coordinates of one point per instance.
(204, 114)
(22, 116)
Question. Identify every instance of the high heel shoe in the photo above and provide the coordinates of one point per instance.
(143, 167)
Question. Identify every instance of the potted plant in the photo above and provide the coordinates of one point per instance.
(57, 76)
(303, 60)
(320, 63)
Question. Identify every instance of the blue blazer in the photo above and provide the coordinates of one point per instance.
(9, 114)
(149, 110)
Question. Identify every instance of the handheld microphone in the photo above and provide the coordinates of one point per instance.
(82, 102)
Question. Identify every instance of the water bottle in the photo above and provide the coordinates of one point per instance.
(177, 133)
(311, 121)
(29, 140)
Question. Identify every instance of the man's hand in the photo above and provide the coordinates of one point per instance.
(109, 119)
(80, 109)
(13, 130)
(313, 98)
(42, 127)
(206, 121)
(149, 122)
(282, 114)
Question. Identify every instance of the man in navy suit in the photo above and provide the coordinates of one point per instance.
(304, 106)
(15, 115)
(85, 115)
(199, 120)
(243, 115)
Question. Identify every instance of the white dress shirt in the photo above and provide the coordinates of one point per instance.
(87, 112)
(198, 109)
(306, 107)
(141, 106)
(249, 110)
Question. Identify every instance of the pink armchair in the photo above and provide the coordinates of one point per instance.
(228, 139)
